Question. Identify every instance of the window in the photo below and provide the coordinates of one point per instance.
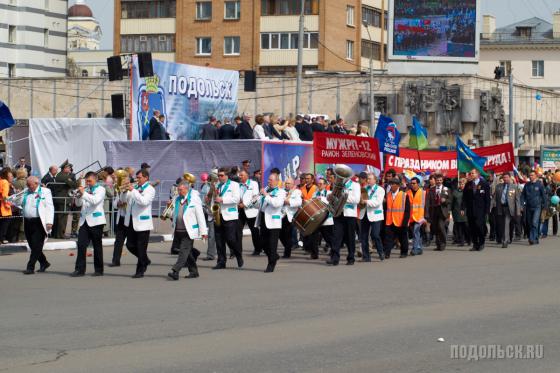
(350, 15)
(232, 10)
(506, 65)
(11, 34)
(232, 45)
(11, 70)
(538, 69)
(84, 73)
(148, 9)
(46, 4)
(372, 17)
(289, 40)
(148, 43)
(288, 7)
(203, 10)
(46, 37)
(204, 46)
(349, 49)
(371, 50)
(524, 31)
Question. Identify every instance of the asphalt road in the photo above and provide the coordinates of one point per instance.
(305, 317)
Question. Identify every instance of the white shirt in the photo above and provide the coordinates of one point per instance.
(31, 210)
(258, 132)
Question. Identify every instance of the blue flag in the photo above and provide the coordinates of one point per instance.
(6, 118)
(467, 159)
(388, 135)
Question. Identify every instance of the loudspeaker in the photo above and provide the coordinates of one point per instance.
(250, 81)
(115, 68)
(117, 105)
(145, 64)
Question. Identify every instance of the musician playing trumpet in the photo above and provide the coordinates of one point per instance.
(189, 224)
(92, 220)
(269, 219)
(292, 202)
(249, 190)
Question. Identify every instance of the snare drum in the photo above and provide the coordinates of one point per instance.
(310, 216)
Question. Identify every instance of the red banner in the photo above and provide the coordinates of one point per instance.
(500, 159)
(331, 148)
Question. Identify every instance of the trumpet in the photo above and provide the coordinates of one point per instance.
(255, 199)
(168, 211)
(14, 197)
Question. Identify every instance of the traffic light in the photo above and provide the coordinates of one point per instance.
(519, 134)
(499, 72)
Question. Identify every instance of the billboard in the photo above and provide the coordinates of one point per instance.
(187, 95)
(434, 30)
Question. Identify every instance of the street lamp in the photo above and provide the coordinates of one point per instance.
(371, 94)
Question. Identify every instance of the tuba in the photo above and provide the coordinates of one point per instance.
(337, 198)
(121, 176)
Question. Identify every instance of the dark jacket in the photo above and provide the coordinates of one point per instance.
(476, 199)
(27, 167)
(157, 131)
(339, 130)
(317, 127)
(305, 132)
(48, 178)
(275, 134)
(244, 130)
(533, 196)
(434, 207)
(455, 206)
(65, 183)
(226, 132)
(209, 132)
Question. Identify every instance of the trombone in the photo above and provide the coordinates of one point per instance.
(168, 212)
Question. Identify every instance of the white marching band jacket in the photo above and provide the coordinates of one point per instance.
(295, 202)
(322, 195)
(272, 205)
(139, 206)
(229, 191)
(354, 195)
(248, 192)
(42, 198)
(374, 208)
(91, 203)
(193, 215)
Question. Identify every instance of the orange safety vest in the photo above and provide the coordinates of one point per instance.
(417, 202)
(395, 209)
(306, 196)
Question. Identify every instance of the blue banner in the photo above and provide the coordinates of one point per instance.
(292, 159)
(187, 95)
(388, 136)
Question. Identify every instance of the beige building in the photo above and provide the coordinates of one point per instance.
(254, 35)
(530, 48)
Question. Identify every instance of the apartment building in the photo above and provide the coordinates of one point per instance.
(257, 35)
(33, 38)
(530, 48)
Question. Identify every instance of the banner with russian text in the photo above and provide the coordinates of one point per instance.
(499, 158)
(332, 148)
(187, 95)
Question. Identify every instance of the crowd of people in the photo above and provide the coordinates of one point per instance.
(401, 212)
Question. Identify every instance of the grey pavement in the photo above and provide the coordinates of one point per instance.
(305, 317)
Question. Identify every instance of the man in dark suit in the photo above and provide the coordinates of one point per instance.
(304, 129)
(339, 127)
(227, 131)
(269, 129)
(437, 211)
(476, 202)
(508, 209)
(210, 131)
(156, 132)
(243, 129)
(23, 164)
(50, 177)
(317, 125)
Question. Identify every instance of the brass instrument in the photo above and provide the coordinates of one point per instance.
(75, 193)
(168, 212)
(337, 198)
(363, 198)
(121, 176)
(213, 207)
(14, 197)
(256, 197)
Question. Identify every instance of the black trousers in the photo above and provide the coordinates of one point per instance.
(269, 239)
(5, 222)
(438, 227)
(243, 219)
(462, 231)
(286, 236)
(35, 236)
(120, 238)
(477, 226)
(325, 231)
(137, 244)
(87, 234)
(392, 233)
(344, 231)
(492, 223)
(227, 233)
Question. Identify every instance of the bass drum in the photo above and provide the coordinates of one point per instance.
(310, 216)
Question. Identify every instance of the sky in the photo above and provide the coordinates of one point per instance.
(505, 11)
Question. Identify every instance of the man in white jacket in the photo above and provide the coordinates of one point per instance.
(371, 218)
(189, 224)
(270, 219)
(38, 214)
(292, 203)
(248, 189)
(138, 219)
(92, 221)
